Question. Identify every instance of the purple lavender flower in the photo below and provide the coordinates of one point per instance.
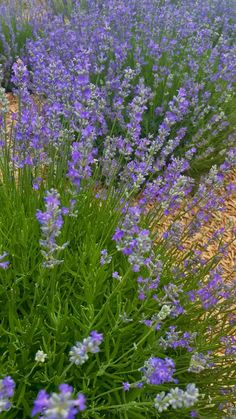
(158, 371)
(82, 158)
(199, 362)
(70, 211)
(136, 243)
(176, 339)
(232, 318)
(230, 345)
(4, 264)
(105, 258)
(40, 403)
(116, 275)
(172, 294)
(126, 386)
(20, 78)
(7, 387)
(79, 352)
(60, 405)
(213, 290)
(133, 241)
(94, 341)
(36, 183)
(51, 223)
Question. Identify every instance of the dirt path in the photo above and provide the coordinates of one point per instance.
(226, 220)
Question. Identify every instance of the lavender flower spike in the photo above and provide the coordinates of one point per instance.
(7, 387)
(4, 264)
(58, 405)
(177, 398)
(51, 223)
(79, 352)
(158, 371)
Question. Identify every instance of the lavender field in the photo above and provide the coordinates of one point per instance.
(117, 149)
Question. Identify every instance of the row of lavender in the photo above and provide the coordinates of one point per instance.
(165, 79)
(118, 104)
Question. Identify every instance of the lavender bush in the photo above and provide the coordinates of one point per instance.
(106, 310)
(148, 80)
(17, 24)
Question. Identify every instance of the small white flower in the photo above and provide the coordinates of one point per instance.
(40, 356)
(125, 318)
(164, 312)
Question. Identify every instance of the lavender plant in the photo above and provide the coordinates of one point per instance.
(19, 21)
(158, 76)
(51, 223)
(106, 311)
(7, 387)
(164, 342)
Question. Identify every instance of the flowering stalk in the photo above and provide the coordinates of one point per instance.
(51, 222)
(7, 388)
(60, 405)
(79, 352)
(177, 398)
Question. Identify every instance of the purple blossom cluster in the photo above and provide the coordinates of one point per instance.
(79, 352)
(51, 222)
(170, 188)
(60, 405)
(4, 263)
(172, 296)
(136, 243)
(105, 258)
(133, 241)
(215, 288)
(33, 127)
(158, 371)
(7, 388)
(177, 339)
(199, 362)
(230, 345)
